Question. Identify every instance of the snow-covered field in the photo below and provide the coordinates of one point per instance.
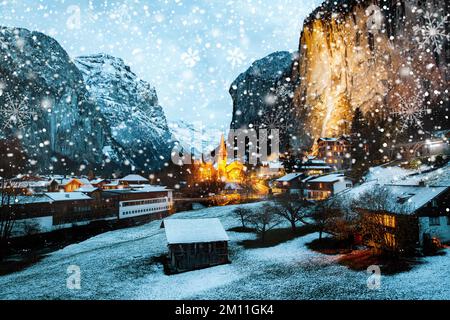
(118, 265)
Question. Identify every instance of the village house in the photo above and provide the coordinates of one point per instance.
(323, 187)
(51, 211)
(154, 201)
(31, 185)
(410, 216)
(335, 152)
(68, 184)
(113, 185)
(99, 182)
(314, 167)
(291, 182)
(195, 243)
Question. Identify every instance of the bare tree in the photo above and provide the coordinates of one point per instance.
(264, 220)
(242, 213)
(12, 162)
(292, 208)
(325, 217)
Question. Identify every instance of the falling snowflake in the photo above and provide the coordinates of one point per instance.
(285, 92)
(190, 57)
(121, 14)
(236, 57)
(433, 32)
(277, 118)
(410, 111)
(14, 114)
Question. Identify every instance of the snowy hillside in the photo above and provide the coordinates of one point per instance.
(130, 107)
(122, 265)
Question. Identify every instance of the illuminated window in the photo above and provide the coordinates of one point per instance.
(389, 239)
(389, 221)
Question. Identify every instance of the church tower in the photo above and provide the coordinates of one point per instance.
(222, 157)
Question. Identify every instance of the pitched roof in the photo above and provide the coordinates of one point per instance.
(329, 178)
(87, 188)
(289, 177)
(67, 196)
(133, 177)
(408, 199)
(180, 231)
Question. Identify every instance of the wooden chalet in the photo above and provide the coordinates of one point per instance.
(195, 243)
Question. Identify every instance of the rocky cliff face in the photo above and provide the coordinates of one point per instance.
(101, 117)
(43, 102)
(371, 55)
(386, 57)
(262, 95)
(131, 110)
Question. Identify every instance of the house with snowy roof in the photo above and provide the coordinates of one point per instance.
(291, 182)
(195, 243)
(314, 166)
(407, 216)
(326, 186)
(133, 179)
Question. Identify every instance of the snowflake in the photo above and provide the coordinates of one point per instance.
(277, 118)
(433, 33)
(236, 57)
(190, 58)
(285, 92)
(14, 114)
(410, 112)
(121, 14)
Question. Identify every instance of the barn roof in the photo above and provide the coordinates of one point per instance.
(179, 231)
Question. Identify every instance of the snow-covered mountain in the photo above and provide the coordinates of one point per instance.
(93, 113)
(130, 107)
(44, 103)
(195, 137)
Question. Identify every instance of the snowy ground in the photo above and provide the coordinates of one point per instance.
(117, 265)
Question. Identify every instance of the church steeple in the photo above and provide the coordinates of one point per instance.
(222, 159)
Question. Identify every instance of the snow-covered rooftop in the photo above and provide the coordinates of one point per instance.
(194, 230)
(31, 199)
(96, 181)
(329, 178)
(289, 177)
(134, 177)
(315, 167)
(408, 199)
(87, 188)
(67, 196)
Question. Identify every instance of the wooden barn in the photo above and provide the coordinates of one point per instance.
(195, 243)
